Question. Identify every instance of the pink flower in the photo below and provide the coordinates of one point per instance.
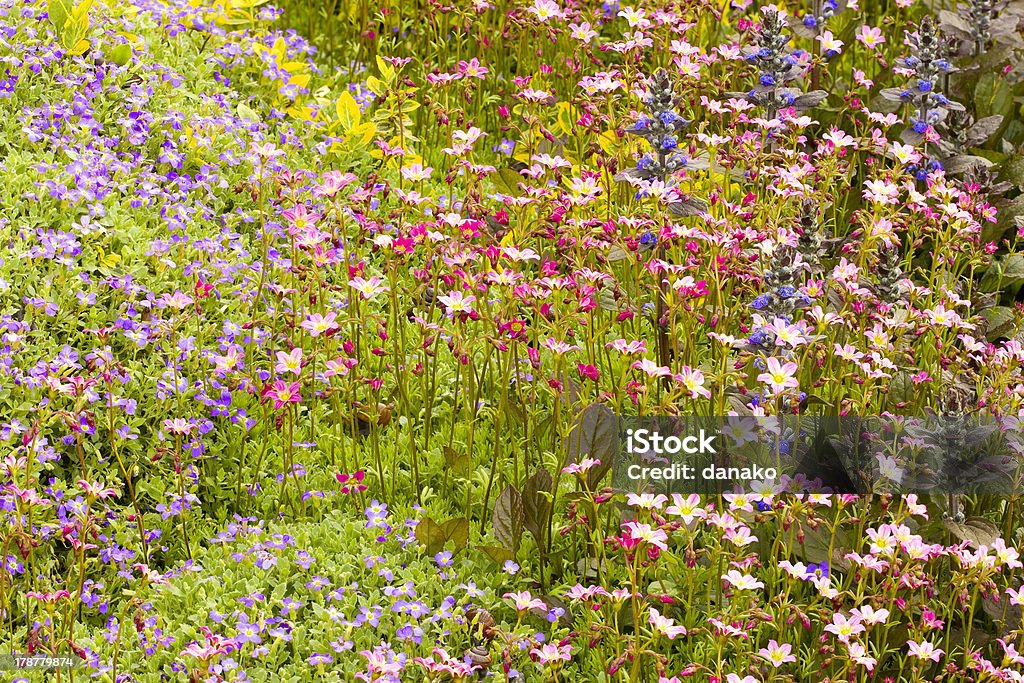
(924, 650)
(546, 9)
(743, 582)
(289, 362)
(150, 575)
(871, 36)
(473, 69)
(581, 467)
(96, 490)
(318, 324)
(457, 302)
(647, 501)
(651, 368)
(648, 534)
(776, 654)
(524, 601)
(735, 678)
(779, 377)
(333, 182)
(178, 425)
(282, 393)
(49, 598)
(693, 381)
(665, 626)
(688, 508)
(859, 654)
(845, 627)
(551, 653)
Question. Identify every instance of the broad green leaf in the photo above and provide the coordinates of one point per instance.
(121, 54)
(376, 86)
(977, 531)
(457, 461)
(58, 11)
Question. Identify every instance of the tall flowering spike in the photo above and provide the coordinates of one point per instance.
(977, 25)
(661, 125)
(780, 298)
(927, 60)
(777, 68)
(887, 287)
(809, 243)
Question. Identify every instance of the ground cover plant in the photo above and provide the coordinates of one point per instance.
(315, 319)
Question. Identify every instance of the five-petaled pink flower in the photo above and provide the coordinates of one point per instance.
(282, 393)
(779, 377)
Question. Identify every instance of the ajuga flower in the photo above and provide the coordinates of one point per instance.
(661, 125)
(777, 67)
(929, 66)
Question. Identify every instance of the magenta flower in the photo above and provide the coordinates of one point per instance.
(282, 393)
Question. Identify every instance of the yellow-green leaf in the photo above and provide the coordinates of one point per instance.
(386, 70)
(349, 115)
(121, 54)
(566, 118)
(246, 112)
(609, 142)
(364, 132)
(376, 86)
(72, 37)
(81, 10)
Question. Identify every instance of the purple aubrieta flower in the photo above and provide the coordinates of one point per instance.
(376, 514)
(319, 659)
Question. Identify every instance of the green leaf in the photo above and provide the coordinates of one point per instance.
(430, 534)
(386, 70)
(507, 181)
(595, 436)
(977, 531)
(376, 86)
(497, 554)
(58, 11)
(121, 54)
(1001, 322)
(456, 531)
(435, 536)
(245, 112)
(992, 96)
(458, 462)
